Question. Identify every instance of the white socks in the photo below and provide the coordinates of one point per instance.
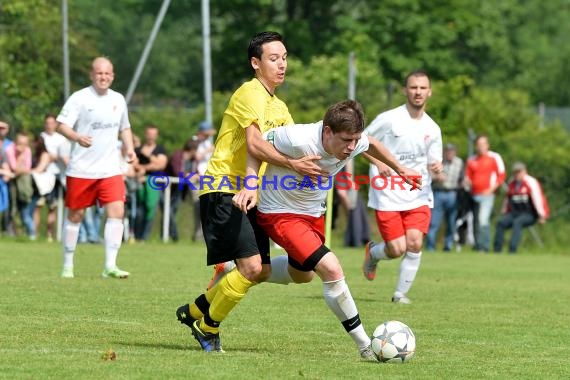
(70, 236)
(340, 301)
(280, 271)
(113, 236)
(408, 270)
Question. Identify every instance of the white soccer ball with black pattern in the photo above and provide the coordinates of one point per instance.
(393, 342)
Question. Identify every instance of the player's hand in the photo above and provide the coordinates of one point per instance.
(383, 169)
(436, 167)
(308, 167)
(130, 156)
(245, 200)
(412, 177)
(84, 141)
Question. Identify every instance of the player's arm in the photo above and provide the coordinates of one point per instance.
(126, 136)
(72, 135)
(380, 154)
(246, 198)
(264, 151)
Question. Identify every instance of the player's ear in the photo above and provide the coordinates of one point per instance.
(254, 61)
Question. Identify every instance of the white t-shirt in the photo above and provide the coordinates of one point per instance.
(416, 144)
(57, 146)
(279, 187)
(102, 117)
(205, 151)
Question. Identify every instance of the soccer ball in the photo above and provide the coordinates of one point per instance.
(393, 342)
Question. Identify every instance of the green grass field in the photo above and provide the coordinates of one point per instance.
(475, 316)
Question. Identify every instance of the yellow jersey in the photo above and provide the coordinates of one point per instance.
(250, 104)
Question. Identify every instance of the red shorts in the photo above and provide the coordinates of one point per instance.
(85, 192)
(393, 224)
(301, 236)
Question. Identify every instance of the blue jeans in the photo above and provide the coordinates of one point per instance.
(482, 212)
(444, 206)
(516, 221)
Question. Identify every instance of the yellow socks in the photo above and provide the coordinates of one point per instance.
(226, 295)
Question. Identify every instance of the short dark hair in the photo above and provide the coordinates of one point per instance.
(255, 48)
(345, 116)
(417, 73)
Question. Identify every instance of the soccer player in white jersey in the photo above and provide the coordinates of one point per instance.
(403, 216)
(291, 207)
(93, 119)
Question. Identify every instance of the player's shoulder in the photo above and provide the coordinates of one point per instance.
(301, 134)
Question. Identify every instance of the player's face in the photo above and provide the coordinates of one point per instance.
(102, 75)
(271, 68)
(340, 144)
(417, 90)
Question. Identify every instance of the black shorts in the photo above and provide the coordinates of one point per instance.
(228, 232)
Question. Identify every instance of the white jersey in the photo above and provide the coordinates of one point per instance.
(416, 144)
(101, 117)
(283, 190)
(57, 146)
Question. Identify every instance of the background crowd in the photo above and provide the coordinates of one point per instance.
(32, 182)
(32, 179)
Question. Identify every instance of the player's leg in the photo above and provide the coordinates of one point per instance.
(228, 235)
(299, 236)
(339, 300)
(416, 223)
(394, 245)
(112, 195)
(80, 195)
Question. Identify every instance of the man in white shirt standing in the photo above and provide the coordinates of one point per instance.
(57, 147)
(291, 207)
(403, 216)
(93, 118)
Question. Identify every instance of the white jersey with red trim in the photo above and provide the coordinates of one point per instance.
(283, 190)
(101, 117)
(416, 143)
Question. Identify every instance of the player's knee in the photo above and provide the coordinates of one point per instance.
(253, 272)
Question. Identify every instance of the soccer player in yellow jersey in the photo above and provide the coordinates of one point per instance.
(229, 233)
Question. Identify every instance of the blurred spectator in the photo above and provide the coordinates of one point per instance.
(524, 205)
(43, 181)
(205, 138)
(58, 148)
(5, 205)
(90, 229)
(445, 187)
(484, 173)
(151, 158)
(357, 232)
(132, 185)
(19, 156)
(183, 162)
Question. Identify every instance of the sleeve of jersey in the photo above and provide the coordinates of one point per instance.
(538, 198)
(247, 109)
(70, 111)
(279, 138)
(125, 123)
(500, 168)
(435, 148)
(378, 127)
